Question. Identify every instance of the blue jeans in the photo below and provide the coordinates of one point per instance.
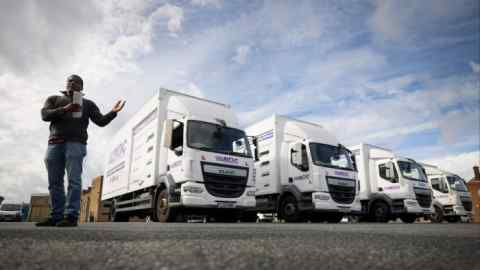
(60, 157)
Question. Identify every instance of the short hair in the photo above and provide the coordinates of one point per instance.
(75, 78)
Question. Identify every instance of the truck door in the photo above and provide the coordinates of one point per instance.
(388, 180)
(440, 190)
(299, 169)
(175, 152)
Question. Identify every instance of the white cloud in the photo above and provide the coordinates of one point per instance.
(205, 3)
(461, 164)
(459, 125)
(399, 131)
(412, 21)
(241, 55)
(475, 67)
(194, 90)
(174, 15)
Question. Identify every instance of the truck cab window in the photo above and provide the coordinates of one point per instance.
(382, 169)
(435, 183)
(177, 138)
(439, 185)
(303, 165)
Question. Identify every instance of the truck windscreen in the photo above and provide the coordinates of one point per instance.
(457, 183)
(412, 171)
(331, 156)
(217, 138)
(10, 207)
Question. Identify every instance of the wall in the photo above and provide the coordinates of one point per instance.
(91, 209)
(39, 207)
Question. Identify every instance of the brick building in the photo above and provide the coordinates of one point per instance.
(39, 207)
(474, 188)
(91, 208)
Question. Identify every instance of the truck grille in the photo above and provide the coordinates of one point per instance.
(424, 199)
(224, 186)
(467, 204)
(342, 194)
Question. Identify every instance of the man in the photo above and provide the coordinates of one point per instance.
(67, 148)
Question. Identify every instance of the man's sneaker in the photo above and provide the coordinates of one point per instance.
(47, 223)
(67, 222)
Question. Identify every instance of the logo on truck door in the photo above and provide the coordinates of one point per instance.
(227, 159)
(301, 177)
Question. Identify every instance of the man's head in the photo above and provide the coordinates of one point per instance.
(74, 83)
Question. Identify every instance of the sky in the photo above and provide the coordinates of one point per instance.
(400, 74)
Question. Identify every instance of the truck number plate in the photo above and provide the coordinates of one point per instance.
(226, 205)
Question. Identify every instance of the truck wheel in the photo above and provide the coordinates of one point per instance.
(163, 212)
(437, 216)
(334, 218)
(408, 218)
(289, 209)
(380, 212)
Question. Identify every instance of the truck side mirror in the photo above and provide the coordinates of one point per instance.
(252, 140)
(167, 133)
(297, 154)
(389, 170)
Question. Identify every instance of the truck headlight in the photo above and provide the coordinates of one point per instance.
(411, 203)
(251, 193)
(321, 197)
(192, 189)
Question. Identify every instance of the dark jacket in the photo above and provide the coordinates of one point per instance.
(63, 127)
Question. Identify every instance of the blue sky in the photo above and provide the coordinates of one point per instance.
(400, 74)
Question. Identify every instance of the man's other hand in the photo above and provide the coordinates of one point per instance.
(118, 106)
(70, 107)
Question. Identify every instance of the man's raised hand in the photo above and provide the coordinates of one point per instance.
(118, 106)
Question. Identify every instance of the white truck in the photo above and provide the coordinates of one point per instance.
(452, 201)
(391, 186)
(179, 155)
(302, 171)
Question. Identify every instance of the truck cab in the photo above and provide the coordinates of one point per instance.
(452, 201)
(391, 186)
(211, 162)
(10, 212)
(303, 172)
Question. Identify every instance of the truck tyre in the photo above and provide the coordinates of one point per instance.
(437, 216)
(408, 218)
(289, 209)
(163, 212)
(380, 212)
(334, 218)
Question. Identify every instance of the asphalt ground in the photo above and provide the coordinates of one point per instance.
(240, 246)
